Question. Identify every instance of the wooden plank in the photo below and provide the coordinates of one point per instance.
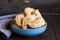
(2, 36)
(56, 24)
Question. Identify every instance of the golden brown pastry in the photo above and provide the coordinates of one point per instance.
(15, 25)
(37, 23)
(18, 19)
(27, 20)
(29, 17)
(37, 13)
(28, 11)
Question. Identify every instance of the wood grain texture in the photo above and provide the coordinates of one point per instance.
(15, 6)
(56, 26)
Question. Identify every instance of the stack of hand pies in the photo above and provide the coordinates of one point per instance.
(30, 18)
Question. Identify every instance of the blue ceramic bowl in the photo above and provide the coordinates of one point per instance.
(29, 32)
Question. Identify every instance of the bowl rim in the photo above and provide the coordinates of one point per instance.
(45, 25)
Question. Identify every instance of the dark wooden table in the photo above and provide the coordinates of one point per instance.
(52, 32)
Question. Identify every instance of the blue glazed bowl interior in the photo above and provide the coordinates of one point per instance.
(28, 32)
